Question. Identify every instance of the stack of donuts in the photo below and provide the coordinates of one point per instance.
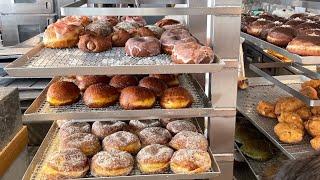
(111, 148)
(99, 91)
(101, 33)
(299, 34)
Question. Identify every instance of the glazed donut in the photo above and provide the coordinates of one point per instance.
(135, 97)
(175, 26)
(309, 32)
(122, 140)
(165, 22)
(294, 22)
(137, 125)
(113, 20)
(119, 38)
(189, 140)
(76, 20)
(141, 32)
(170, 79)
(100, 95)
(66, 164)
(154, 84)
(305, 46)
(154, 135)
(281, 35)
(256, 27)
(85, 81)
(62, 93)
(134, 19)
(175, 32)
(99, 28)
(168, 42)
(156, 30)
(190, 161)
(104, 128)
(181, 125)
(154, 158)
(112, 162)
(122, 81)
(127, 26)
(89, 144)
(175, 98)
(143, 47)
(72, 127)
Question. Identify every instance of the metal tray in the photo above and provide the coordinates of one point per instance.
(44, 62)
(50, 144)
(261, 89)
(305, 60)
(25, 84)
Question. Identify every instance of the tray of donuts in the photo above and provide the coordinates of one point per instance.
(95, 45)
(167, 148)
(297, 37)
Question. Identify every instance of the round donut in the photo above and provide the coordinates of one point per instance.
(154, 135)
(172, 37)
(113, 20)
(127, 26)
(104, 128)
(99, 28)
(100, 95)
(175, 32)
(122, 140)
(119, 38)
(165, 22)
(122, 81)
(156, 30)
(305, 46)
(135, 97)
(170, 79)
(112, 162)
(175, 26)
(134, 19)
(71, 127)
(91, 43)
(85, 81)
(181, 125)
(66, 164)
(154, 84)
(62, 93)
(89, 144)
(281, 35)
(136, 126)
(190, 161)
(154, 158)
(256, 27)
(141, 32)
(189, 140)
(175, 98)
(143, 47)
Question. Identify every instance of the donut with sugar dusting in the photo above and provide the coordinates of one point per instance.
(189, 140)
(181, 125)
(122, 140)
(72, 127)
(104, 128)
(154, 135)
(137, 125)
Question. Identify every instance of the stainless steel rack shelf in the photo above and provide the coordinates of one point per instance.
(44, 62)
(261, 89)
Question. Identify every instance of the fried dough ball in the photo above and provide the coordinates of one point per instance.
(266, 109)
(310, 92)
(315, 143)
(313, 83)
(304, 113)
(313, 126)
(291, 118)
(288, 133)
(288, 104)
(315, 110)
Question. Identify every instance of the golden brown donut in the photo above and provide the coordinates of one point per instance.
(136, 126)
(85, 81)
(104, 128)
(165, 22)
(314, 83)
(305, 46)
(175, 98)
(111, 162)
(181, 125)
(190, 161)
(288, 104)
(281, 35)
(66, 164)
(122, 81)
(288, 133)
(62, 93)
(304, 113)
(143, 46)
(91, 43)
(135, 97)
(189, 140)
(88, 143)
(100, 95)
(256, 27)
(141, 32)
(154, 135)
(315, 143)
(266, 109)
(313, 126)
(154, 84)
(291, 118)
(154, 158)
(266, 30)
(170, 79)
(72, 127)
(119, 38)
(122, 140)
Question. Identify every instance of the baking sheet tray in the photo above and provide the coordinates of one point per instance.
(44, 62)
(305, 60)
(261, 89)
(50, 144)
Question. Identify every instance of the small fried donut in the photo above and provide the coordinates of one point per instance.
(104, 128)
(72, 127)
(122, 81)
(181, 125)
(100, 95)
(136, 126)
(266, 109)
(122, 140)
(85, 81)
(170, 79)
(175, 98)
(62, 93)
(189, 140)
(288, 133)
(154, 84)
(154, 135)
(135, 97)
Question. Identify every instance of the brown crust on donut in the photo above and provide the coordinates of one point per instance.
(141, 32)
(122, 81)
(135, 97)
(165, 22)
(256, 27)
(305, 46)
(143, 46)
(170, 79)
(154, 84)
(181, 125)
(154, 135)
(189, 140)
(122, 140)
(71, 127)
(266, 30)
(85, 81)
(62, 93)
(119, 38)
(175, 98)
(100, 95)
(281, 36)
(91, 43)
(104, 128)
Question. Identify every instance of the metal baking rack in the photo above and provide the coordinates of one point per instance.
(261, 89)
(305, 60)
(49, 145)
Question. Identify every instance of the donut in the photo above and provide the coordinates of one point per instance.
(100, 95)
(309, 32)
(89, 144)
(175, 32)
(122, 140)
(171, 38)
(190, 161)
(137, 125)
(175, 98)
(175, 26)
(154, 158)
(72, 127)
(165, 121)
(305, 46)
(157, 31)
(143, 47)
(267, 17)
(154, 135)
(189, 140)
(85, 81)
(76, 20)
(135, 97)
(111, 162)
(294, 22)
(113, 20)
(134, 19)
(170, 79)
(104, 128)
(181, 125)
(157, 86)
(66, 164)
(91, 43)
(62, 93)
(268, 28)
(99, 28)
(307, 25)
(165, 22)
(281, 35)
(257, 26)
(127, 26)
(141, 32)
(119, 38)
(122, 81)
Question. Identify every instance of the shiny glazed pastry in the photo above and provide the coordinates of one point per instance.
(165, 22)
(289, 133)
(72, 127)
(141, 32)
(85, 81)
(66, 164)
(137, 125)
(154, 135)
(256, 27)
(62, 93)
(266, 109)
(100, 95)
(181, 125)
(190, 161)
(154, 158)
(175, 98)
(111, 162)
(170, 79)
(143, 47)
(119, 38)
(305, 46)
(122, 81)
(135, 97)
(281, 35)
(104, 128)
(123, 141)
(154, 84)
(189, 140)
(91, 43)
